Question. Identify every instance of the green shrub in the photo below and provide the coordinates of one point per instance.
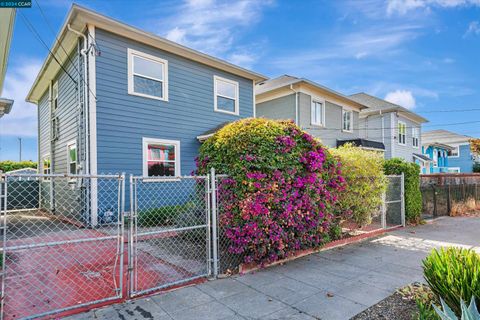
(453, 274)
(281, 190)
(162, 216)
(365, 182)
(413, 196)
(9, 165)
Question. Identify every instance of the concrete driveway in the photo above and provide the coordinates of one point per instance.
(334, 284)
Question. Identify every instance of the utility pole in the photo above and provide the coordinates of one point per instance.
(20, 147)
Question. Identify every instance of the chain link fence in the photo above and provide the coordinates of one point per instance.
(170, 232)
(393, 208)
(56, 256)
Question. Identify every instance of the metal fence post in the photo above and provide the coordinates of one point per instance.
(130, 237)
(214, 223)
(122, 233)
(384, 210)
(209, 225)
(402, 193)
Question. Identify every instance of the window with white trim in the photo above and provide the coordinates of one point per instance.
(455, 152)
(55, 128)
(225, 95)
(402, 133)
(161, 158)
(55, 96)
(147, 75)
(415, 137)
(46, 169)
(72, 157)
(317, 112)
(347, 118)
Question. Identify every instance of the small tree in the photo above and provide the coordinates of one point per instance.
(413, 196)
(365, 182)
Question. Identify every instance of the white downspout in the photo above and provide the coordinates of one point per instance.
(296, 104)
(83, 52)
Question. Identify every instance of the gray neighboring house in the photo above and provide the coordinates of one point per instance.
(323, 112)
(398, 128)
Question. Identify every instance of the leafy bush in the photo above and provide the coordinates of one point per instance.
(453, 274)
(162, 216)
(9, 165)
(281, 189)
(413, 196)
(365, 182)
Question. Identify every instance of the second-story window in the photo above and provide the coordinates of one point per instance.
(55, 96)
(402, 133)
(317, 113)
(347, 118)
(225, 95)
(415, 137)
(147, 75)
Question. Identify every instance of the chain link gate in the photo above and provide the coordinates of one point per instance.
(393, 207)
(170, 232)
(62, 247)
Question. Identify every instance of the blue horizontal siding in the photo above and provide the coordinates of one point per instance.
(123, 119)
(464, 161)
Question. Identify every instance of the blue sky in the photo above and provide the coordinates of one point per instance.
(422, 54)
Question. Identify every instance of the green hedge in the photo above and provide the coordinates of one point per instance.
(9, 165)
(413, 196)
(365, 182)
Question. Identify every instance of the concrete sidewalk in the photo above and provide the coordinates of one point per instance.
(334, 284)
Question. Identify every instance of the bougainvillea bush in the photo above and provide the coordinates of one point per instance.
(365, 182)
(281, 189)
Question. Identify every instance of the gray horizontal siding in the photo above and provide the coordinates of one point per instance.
(123, 119)
(282, 108)
(331, 132)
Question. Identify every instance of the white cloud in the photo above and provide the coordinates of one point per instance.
(403, 98)
(403, 6)
(473, 28)
(214, 26)
(22, 120)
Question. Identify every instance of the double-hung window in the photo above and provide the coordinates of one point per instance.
(54, 96)
(415, 137)
(72, 157)
(455, 152)
(402, 133)
(46, 164)
(55, 128)
(317, 112)
(147, 75)
(225, 95)
(347, 119)
(161, 157)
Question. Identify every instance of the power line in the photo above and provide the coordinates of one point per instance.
(65, 51)
(35, 33)
(450, 110)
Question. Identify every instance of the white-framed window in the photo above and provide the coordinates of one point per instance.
(55, 96)
(161, 158)
(225, 95)
(147, 75)
(347, 119)
(72, 158)
(46, 166)
(402, 133)
(455, 152)
(454, 169)
(55, 128)
(318, 112)
(416, 137)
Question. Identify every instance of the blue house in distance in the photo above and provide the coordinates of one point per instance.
(125, 100)
(438, 155)
(459, 158)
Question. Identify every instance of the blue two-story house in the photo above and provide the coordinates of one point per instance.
(113, 98)
(460, 158)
